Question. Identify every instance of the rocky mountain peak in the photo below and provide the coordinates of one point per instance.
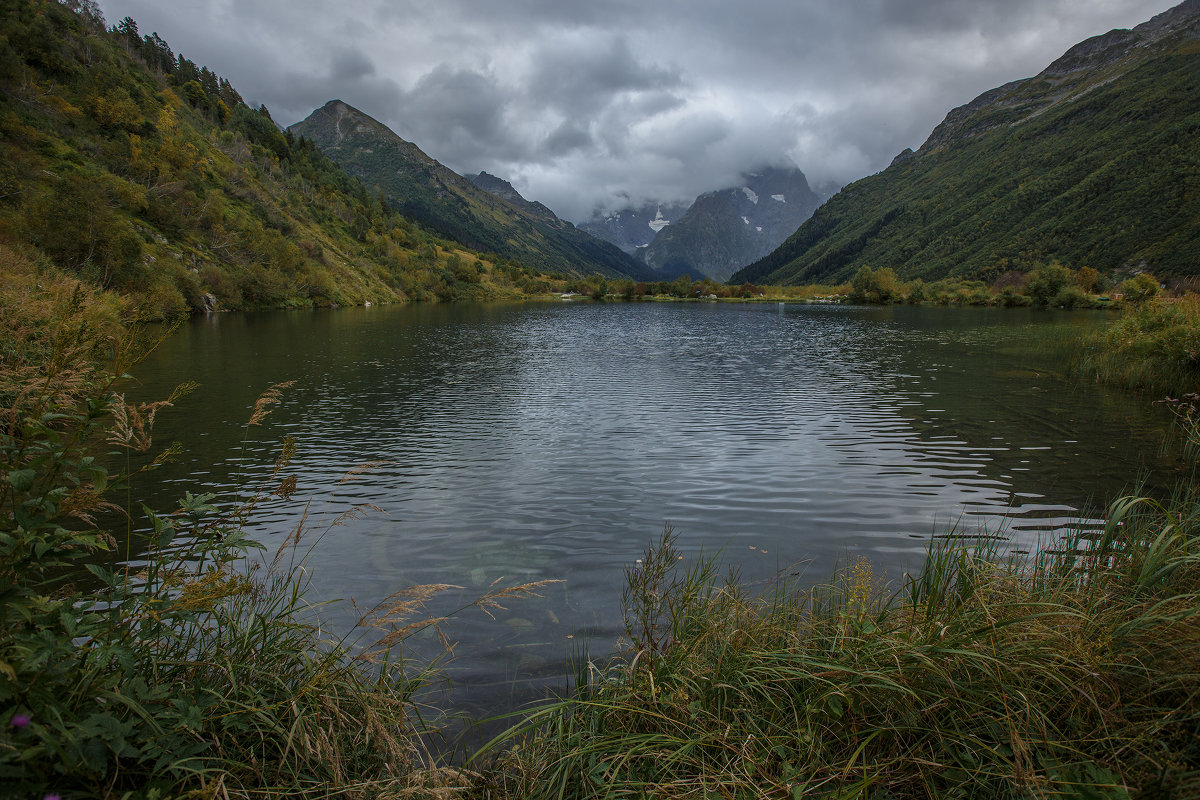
(503, 189)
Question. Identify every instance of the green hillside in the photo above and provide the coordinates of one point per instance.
(449, 203)
(126, 165)
(1093, 163)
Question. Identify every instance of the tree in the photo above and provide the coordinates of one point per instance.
(127, 27)
(1139, 288)
(1045, 282)
(1086, 279)
(875, 286)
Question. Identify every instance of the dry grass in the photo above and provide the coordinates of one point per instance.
(1074, 675)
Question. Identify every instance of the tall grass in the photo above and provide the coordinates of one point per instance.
(185, 664)
(1074, 674)
(190, 666)
(1154, 348)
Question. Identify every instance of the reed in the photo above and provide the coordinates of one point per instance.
(1072, 674)
(1154, 348)
(183, 663)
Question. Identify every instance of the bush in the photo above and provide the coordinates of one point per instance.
(1071, 297)
(1045, 281)
(1139, 289)
(875, 286)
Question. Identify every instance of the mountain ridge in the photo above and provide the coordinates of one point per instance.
(726, 229)
(1088, 162)
(633, 228)
(424, 189)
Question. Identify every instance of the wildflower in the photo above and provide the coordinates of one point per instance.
(20, 721)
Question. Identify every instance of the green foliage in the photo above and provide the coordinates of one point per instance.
(138, 170)
(1046, 281)
(1075, 674)
(1105, 179)
(875, 286)
(1139, 288)
(1154, 347)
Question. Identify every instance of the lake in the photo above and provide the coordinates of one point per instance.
(554, 441)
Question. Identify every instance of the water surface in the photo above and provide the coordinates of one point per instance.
(529, 442)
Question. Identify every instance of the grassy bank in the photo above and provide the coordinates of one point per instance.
(181, 658)
(1153, 348)
(1075, 675)
(185, 659)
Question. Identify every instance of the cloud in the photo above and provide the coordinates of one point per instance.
(350, 65)
(582, 103)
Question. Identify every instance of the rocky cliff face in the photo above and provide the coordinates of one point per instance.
(453, 206)
(728, 229)
(633, 229)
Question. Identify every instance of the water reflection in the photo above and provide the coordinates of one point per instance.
(532, 442)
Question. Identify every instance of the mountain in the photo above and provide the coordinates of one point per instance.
(727, 229)
(632, 229)
(1091, 162)
(131, 168)
(452, 205)
(504, 190)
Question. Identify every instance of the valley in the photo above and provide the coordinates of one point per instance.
(589, 404)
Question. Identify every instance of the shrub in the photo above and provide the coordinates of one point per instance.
(1045, 282)
(1139, 289)
(1071, 297)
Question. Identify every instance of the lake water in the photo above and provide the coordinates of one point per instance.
(530, 442)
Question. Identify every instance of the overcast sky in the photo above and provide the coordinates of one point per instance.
(580, 103)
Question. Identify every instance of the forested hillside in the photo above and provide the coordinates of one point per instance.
(447, 202)
(1092, 163)
(133, 168)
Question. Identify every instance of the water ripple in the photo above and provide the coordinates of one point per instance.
(552, 442)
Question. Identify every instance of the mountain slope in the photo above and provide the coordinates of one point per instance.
(504, 190)
(129, 167)
(425, 190)
(1092, 162)
(633, 229)
(727, 229)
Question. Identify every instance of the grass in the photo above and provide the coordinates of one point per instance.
(1075, 674)
(200, 668)
(1153, 348)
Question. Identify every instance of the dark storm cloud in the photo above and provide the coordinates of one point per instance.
(579, 103)
(350, 65)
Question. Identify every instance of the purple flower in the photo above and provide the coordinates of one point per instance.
(52, 797)
(20, 721)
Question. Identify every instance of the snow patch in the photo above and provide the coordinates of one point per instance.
(640, 246)
(751, 195)
(745, 220)
(778, 197)
(658, 223)
(758, 228)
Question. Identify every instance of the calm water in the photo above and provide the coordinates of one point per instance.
(554, 441)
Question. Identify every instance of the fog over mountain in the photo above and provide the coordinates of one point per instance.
(585, 105)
